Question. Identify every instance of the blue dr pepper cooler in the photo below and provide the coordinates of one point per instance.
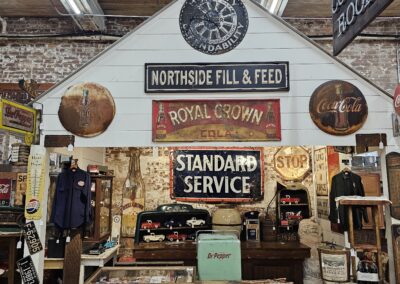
(219, 257)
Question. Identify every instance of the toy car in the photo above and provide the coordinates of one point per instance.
(150, 225)
(153, 238)
(293, 216)
(288, 199)
(175, 236)
(172, 223)
(195, 222)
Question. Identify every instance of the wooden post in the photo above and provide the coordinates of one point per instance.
(375, 215)
(351, 239)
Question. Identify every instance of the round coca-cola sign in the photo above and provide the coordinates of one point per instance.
(338, 108)
(396, 99)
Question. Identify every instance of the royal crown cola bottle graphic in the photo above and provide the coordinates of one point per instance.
(133, 195)
(161, 128)
(341, 114)
(270, 126)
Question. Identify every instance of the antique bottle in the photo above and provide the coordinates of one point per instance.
(270, 126)
(341, 114)
(133, 195)
(84, 116)
(161, 127)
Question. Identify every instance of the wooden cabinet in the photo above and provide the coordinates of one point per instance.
(260, 260)
(101, 189)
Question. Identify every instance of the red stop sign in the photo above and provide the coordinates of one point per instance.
(396, 100)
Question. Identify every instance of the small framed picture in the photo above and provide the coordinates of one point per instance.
(396, 125)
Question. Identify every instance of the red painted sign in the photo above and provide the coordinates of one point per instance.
(216, 120)
(5, 192)
(396, 99)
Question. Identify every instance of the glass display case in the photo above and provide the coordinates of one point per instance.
(101, 188)
(148, 274)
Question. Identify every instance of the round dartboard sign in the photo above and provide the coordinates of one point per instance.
(213, 26)
(86, 109)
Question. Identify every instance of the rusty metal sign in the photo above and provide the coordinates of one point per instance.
(338, 108)
(86, 109)
(216, 120)
(217, 174)
(292, 163)
(396, 100)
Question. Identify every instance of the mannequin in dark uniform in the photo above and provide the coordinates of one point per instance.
(346, 183)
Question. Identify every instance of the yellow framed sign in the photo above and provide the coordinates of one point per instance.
(18, 118)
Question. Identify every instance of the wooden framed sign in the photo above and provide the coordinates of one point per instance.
(214, 77)
(338, 108)
(217, 174)
(216, 120)
(350, 17)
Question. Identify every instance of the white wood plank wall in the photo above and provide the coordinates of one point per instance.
(121, 70)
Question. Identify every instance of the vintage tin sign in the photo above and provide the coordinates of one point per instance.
(27, 270)
(292, 163)
(396, 99)
(86, 109)
(32, 238)
(18, 118)
(5, 191)
(217, 174)
(214, 77)
(338, 108)
(216, 120)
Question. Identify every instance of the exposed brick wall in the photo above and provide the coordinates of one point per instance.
(51, 60)
(373, 57)
(48, 60)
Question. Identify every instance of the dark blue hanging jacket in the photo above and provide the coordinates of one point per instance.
(71, 205)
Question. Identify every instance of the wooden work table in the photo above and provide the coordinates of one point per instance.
(260, 260)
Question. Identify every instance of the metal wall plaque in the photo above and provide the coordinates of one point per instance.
(396, 100)
(18, 118)
(5, 191)
(213, 26)
(213, 175)
(350, 17)
(27, 270)
(216, 120)
(338, 108)
(214, 77)
(292, 163)
(86, 109)
(32, 238)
